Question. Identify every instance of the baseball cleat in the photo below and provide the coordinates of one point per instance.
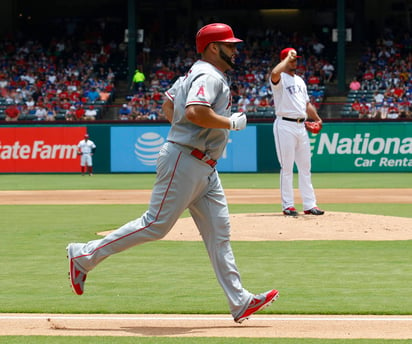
(314, 211)
(76, 277)
(291, 211)
(258, 303)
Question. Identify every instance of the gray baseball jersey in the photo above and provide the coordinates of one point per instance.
(184, 181)
(203, 85)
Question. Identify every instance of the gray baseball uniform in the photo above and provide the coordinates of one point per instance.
(185, 179)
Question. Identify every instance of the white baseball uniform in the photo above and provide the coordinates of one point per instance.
(291, 139)
(185, 179)
(86, 147)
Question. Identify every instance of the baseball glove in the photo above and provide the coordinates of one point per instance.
(313, 127)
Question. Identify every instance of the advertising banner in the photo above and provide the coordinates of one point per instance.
(339, 147)
(362, 147)
(39, 149)
(135, 149)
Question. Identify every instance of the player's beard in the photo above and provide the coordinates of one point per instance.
(226, 58)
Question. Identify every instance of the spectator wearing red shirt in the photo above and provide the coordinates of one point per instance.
(74, 96)
(51, 93)
(169, 74)
(398, 91)
(364, 110)
(109, 87)
(393, 111)
(80, 112)
(313, 79)
(157, 96)
(356, 106)
(368, 75)
(250, 77)
(12, 113)
(161, 73)
(379, 74)
(264, 102)
(64, 94)
(64, 104)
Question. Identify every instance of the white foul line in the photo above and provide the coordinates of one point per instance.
(201, 318)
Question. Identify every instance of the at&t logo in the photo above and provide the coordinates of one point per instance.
(147, 148)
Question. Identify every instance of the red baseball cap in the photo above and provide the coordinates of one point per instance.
(285, 52)
(86, 135)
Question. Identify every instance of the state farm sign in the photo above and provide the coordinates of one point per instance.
(40, 149)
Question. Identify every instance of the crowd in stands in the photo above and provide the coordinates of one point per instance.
(61, 79)
(73, 80)
(70, 80)
(382, 88)
(250, 87)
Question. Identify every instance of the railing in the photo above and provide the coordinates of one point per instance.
(109, 113)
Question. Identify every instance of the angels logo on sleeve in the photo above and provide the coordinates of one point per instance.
(201, 91)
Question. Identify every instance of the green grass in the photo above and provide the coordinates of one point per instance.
(335, 278)
(327, 277)
(313, 276)
(239, 180)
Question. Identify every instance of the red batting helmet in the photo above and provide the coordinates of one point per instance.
(216, 32)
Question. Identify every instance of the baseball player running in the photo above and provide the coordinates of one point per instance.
(292, 107)
(198, 106)
(86, 149)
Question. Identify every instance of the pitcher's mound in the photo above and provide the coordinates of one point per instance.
(330, 226)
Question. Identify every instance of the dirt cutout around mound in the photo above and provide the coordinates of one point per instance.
(265, 226)
(276, 226)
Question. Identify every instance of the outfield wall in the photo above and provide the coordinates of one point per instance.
(133, 148)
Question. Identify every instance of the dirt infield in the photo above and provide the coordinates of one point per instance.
(234, 196)
(267, 226)
(173, 325)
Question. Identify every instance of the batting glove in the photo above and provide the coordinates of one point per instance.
(238, 121)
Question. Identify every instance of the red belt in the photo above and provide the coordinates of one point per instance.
(198, 155)
(201, 156)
